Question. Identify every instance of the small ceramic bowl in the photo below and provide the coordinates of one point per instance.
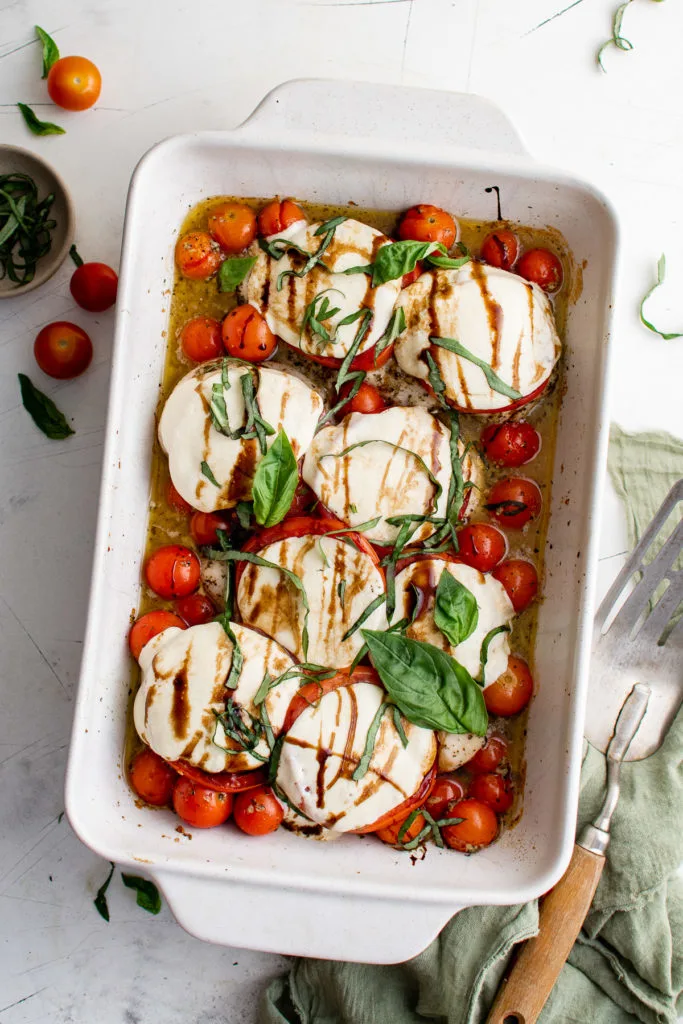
(14, 159)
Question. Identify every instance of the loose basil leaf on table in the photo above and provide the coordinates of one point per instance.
(100, 900)
(50, 50)
(275, 482)
(43, 411)
(233, 271)
(430, 688)
(36, 126)
(661, 274)
(147, 893)
(456, 612)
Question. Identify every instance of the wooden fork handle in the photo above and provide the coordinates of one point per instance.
(562, 911)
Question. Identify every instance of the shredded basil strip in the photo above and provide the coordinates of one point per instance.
(25, 227)
(345, 374)
(247, 732)
(206, 471)
(617, 39)
(233, 271)
(35, 125)
(147, 893)
(436, 381)
(244, 511)
(327, 230)
(279, 246)
(494, 381)
(661, 274)
(438, 489)
(485, 644)
(402, 832)
(341, 591)
(256, 426)
(246, 556)
(364, 763)
(314, 317)
(364, 616)
(395, 327)
(100, 900)
(304, 670)
(50, 50)
(323, 557)
(419, 839)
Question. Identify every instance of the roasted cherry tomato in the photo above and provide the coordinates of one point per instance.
(478, 828)
(203, 527)
(94, 286)
(511, 691)
(172, 571)
(258, 812)
(246, 335)
(152, 778)
(514, 501)
(233, 226)
(368, 400)
(542, 267)
(493, 790)
(176, 501)
(520, 579)
(149, 625)
(74, 83)
(221, 782)
(63, 350)
(488, 757)
(390, 833)
(424, 223)
(279, 215)
(196, 609)
(412, 276)
(197, 255)
(481, 545)
(200, 339)
(510, 444)
(446, 792)
(500, 249)
(199, 806)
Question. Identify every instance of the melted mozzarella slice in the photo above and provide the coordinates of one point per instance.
(189, 438)
(386, 474)
(340, 583)
(497, 316)
(354, 244)
(183, 689)
(322, 750)
(495, 609)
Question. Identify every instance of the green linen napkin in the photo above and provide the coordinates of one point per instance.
(627, 964)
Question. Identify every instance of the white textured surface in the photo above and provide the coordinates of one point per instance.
(60, 962)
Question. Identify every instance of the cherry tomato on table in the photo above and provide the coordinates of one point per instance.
(74, 83)
(367, 400)
(390, 833)
(493, 790)
(481, 546)
(149, 625)
(197, 255)
(258, 811)
(520, 580)
(511, 691)
(511, 444)
(500, 249)
(478, 828)
(487, 759)
(176, 500)
(204, 527)
(152, 778)
(63, 350)
(445, 794)
(172, 571)
(200, 339)
(233, 226)
(279, 215)
(94, 286)
(246, 335)
(542, 267)
(199, 806)
(196, 609)
(514, 501)
(424, 223)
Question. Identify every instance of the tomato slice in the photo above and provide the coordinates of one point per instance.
(310, 693)
(222, 782)
(365, 361)
(490, 412)
(403, 810)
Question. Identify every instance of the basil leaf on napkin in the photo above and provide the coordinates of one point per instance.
(456, 611)
(430, 688)
(275, 482)
(233, 271)
(43, 410)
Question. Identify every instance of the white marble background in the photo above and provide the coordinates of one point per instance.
(170, 66)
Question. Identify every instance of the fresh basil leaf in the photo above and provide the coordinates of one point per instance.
(50, 50)
(100, 900)
(431, 689)
(369, 749)
(456, 612)
(661, 274)
(399, 258)
(147, 893)
(244, 512)
(36, 126)
(449, 262)
(364, 616)
(233, 271)
(275, 482)
(76, 256)
(206, 471)
(485, 644)
(494, 381)
(43, 411)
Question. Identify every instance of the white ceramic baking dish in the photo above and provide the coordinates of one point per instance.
(353, 899)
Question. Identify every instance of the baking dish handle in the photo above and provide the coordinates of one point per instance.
(364, 110)
(280, 920)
